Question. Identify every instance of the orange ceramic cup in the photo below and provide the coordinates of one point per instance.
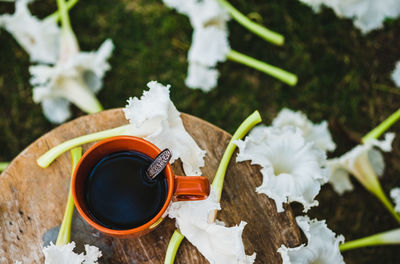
(180, 188)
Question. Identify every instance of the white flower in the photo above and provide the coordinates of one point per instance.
(395, 194)
(39, 38)
(217, 243)
(396, 74)
(75, 78)
(155, 117)
(210, 43)
(292, 168)
(317, 133)
(65, 255)
(363, 161)
(367, 14)
(322, 245)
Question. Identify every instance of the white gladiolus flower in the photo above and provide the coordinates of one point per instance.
(210, 43)
(155, 118)
(292, 168)
(75, 78)
(322, 245)
(395, 194)
(65, 255)
(39, 38)
(367, 14)
(363, 161)
(396, 74)
(317, 133)
(217, 243)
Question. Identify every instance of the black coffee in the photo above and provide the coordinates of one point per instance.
(118, 193)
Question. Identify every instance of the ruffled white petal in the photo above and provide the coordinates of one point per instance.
(210, 43)
(396, 74)
(217, 243)
(395, 194)
(65, 255)
(155, 118)
(341, 167)
(75, 78)
(322, 245)
(292, 168)
(367, 15)
(317, 133)
(40, 38)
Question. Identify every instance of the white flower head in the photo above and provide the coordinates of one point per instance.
(156, 118)
(367, 14)
(396, 74)
(39, 38)
(210, 43)
(395, 194)
(317, 133)
(75, 78)
(322, 245)
(217, 243)
(292, 168)
(363, 162)
(65, 255)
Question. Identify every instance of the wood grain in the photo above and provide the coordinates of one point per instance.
(32, 202)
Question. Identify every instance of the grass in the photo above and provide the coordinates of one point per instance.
(344, 77)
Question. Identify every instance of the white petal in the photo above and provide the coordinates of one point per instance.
(201, 77)
(367, 14)
(209, 46)
(40, 38)
(396, 74)
(292, 168)
(217, 243)
(56, 110)
(155, 118)
(340, 180)
(395, 194)
(322, 245)
(65, 255)
(317, 133)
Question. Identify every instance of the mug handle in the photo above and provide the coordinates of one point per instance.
(191, 188)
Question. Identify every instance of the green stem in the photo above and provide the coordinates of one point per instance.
(173, 246)
(56, 15)
(257, 29)
(282, 75)
(385, 238)
(4, 165)
(65, 21)
(47, 158)
(382, 127)
(64, 235)
(218, 181)
(378, 192)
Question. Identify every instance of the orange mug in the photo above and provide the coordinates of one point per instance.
(179, 188)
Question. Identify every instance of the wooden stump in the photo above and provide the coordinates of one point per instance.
(32, 202)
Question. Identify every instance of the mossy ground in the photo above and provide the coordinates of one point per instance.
(344, 77)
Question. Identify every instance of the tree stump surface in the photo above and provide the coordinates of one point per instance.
(32, 202)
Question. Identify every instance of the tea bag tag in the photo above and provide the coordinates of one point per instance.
(159, 164)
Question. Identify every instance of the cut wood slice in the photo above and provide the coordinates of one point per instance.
(32, 202)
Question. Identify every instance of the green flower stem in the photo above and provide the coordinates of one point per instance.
(64, 235)
(218, 181)
(386, 238)
(382, 127)
(282, 75)
(173, 246)
(3, 166)
(47, 158)
(257, 29)
(56, 15)
(378, 192)
(62, 9)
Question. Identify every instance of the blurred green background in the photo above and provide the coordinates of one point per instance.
(344, 77)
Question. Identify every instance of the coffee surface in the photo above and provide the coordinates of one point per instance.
(119, 194)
